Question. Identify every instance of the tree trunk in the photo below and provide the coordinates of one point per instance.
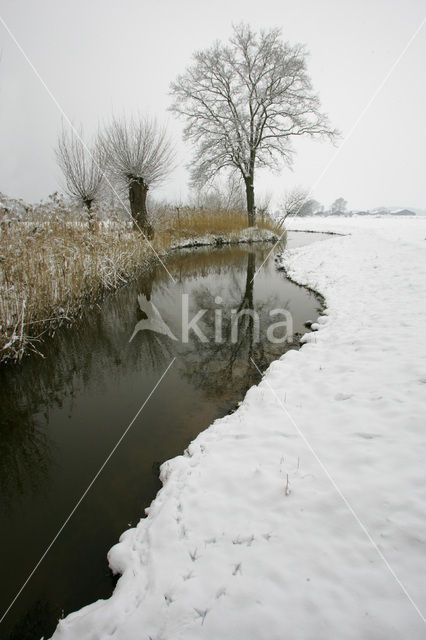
(138, 192)
(248, 291)
(90, 216)
(251, 210)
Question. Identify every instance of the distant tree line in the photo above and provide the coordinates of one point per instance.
(297, 202)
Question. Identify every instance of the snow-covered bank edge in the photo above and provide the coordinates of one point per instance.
(226, 551)
(247, 236)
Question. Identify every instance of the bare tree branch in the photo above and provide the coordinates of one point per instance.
(137, 149)
(139, 155)
(297, 203)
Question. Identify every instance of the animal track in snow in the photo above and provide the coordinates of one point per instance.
(188, 576)
(193, 555)
(248, 541)
(202, 614)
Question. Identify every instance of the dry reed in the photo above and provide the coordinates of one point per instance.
(52, 267)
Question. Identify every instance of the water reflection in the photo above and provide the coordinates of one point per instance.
(25, 454)
(232, 330)
(226, 366)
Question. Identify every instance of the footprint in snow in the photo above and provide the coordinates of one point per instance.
(169, 600)
(248, 541)
(201, 613)
(343, 396)
(188, 576)
(193, 555)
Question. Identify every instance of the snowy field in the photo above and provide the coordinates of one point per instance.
(229, 550)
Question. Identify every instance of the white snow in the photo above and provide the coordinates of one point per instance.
(226, 551)
(249, 235)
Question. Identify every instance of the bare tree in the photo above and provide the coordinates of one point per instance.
(297, 203)
(339, 205)
(263, 205)
(83, 169)
(139, 155)
(226, 195)
(244, 102)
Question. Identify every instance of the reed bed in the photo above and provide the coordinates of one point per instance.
(52, 267)
(180, 223)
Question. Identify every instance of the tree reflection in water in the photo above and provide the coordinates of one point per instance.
(222, 369)
(25, 454)
(225, 369)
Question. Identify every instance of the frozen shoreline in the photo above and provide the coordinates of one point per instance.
(226, 551)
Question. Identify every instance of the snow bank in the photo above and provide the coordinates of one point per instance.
(249, 235)
(226, 551)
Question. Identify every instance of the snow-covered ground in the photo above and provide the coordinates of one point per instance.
(228, 551)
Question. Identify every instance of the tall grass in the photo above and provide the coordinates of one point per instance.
(179, 223)
(52, 267)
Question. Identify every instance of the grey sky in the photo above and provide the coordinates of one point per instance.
(104, 57)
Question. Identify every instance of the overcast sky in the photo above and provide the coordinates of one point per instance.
(100, 57)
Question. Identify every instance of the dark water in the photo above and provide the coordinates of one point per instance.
(60, 418)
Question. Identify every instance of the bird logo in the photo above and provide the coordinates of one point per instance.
(153, 322)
